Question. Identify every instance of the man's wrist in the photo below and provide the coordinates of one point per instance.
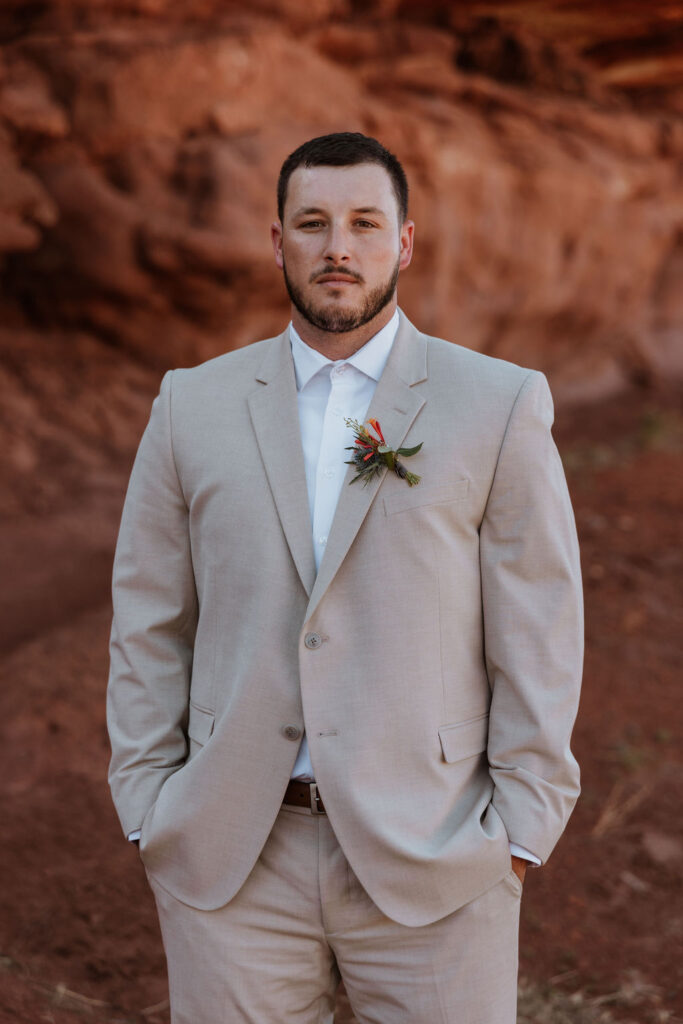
(519, 866)
(521, 851)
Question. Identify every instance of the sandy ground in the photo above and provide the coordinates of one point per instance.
(602, 923)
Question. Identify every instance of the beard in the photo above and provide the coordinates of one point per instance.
(339, 321)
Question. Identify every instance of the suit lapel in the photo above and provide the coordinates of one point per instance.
(275, 417)
(395, 405)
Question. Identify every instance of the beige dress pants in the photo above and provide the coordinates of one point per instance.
(275, 953)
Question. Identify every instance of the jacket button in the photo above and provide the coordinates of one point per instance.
(290, 732)
(313, 641)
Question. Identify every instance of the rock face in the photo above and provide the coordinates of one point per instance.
(140, 144)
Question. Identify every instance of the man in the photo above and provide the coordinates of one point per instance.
(340, 709)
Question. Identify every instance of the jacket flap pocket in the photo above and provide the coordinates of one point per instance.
(200, 726)
(464, 739)
(422, 497)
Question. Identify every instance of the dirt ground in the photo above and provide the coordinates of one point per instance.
(602, 923)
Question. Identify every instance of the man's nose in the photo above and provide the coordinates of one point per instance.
(337, 245)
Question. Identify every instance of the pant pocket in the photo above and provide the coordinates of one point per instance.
(513, 882)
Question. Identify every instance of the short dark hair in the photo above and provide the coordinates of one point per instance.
(344, 149)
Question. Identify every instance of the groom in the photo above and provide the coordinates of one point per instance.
(340, 708)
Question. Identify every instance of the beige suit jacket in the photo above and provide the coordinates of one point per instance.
(440, 698)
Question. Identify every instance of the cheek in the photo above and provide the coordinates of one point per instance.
(378, 253)
(380, 266)
(300, 257)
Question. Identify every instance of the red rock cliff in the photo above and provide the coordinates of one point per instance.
(140, 143)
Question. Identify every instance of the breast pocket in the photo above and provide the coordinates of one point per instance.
(409, 498)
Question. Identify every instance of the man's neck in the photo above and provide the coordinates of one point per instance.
(341, 346)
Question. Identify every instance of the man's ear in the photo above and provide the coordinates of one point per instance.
(276, 239)
(406, 238)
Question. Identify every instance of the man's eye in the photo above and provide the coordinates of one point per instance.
(310, 224)
(365, 224)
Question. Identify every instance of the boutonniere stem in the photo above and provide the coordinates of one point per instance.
(371, 454)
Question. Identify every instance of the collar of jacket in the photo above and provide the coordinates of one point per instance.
(275, 418)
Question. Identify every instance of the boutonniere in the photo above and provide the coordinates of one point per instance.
(371, 454)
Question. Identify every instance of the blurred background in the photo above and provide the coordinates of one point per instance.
(140, 143)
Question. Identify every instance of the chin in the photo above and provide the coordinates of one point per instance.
(337, 307)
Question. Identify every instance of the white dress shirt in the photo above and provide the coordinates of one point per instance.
(328, 393)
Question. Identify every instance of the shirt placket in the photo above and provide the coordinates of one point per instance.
(331, 469)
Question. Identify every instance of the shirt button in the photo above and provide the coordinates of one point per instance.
(322, 540)
(313, 641)
(337, 411)
(290, 732)
(328, 472)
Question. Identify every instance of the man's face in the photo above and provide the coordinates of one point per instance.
(340, 245)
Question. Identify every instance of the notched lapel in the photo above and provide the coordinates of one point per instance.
(275, 418)
(395, 405)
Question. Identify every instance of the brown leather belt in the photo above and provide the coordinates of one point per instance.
(304, 794)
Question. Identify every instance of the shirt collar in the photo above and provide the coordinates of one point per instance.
(370, 359)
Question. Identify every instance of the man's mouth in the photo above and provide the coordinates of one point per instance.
(336, 279)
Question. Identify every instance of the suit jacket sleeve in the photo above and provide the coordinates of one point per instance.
(533, 626)
(155, 618)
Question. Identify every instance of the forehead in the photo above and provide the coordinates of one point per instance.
(339, 189)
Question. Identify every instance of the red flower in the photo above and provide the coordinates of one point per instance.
(376, 427)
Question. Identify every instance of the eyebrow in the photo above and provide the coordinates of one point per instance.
(308, 210)
(370, 209)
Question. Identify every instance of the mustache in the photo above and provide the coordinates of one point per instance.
(337, 271)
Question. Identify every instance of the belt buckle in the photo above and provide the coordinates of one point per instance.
(315, 799)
